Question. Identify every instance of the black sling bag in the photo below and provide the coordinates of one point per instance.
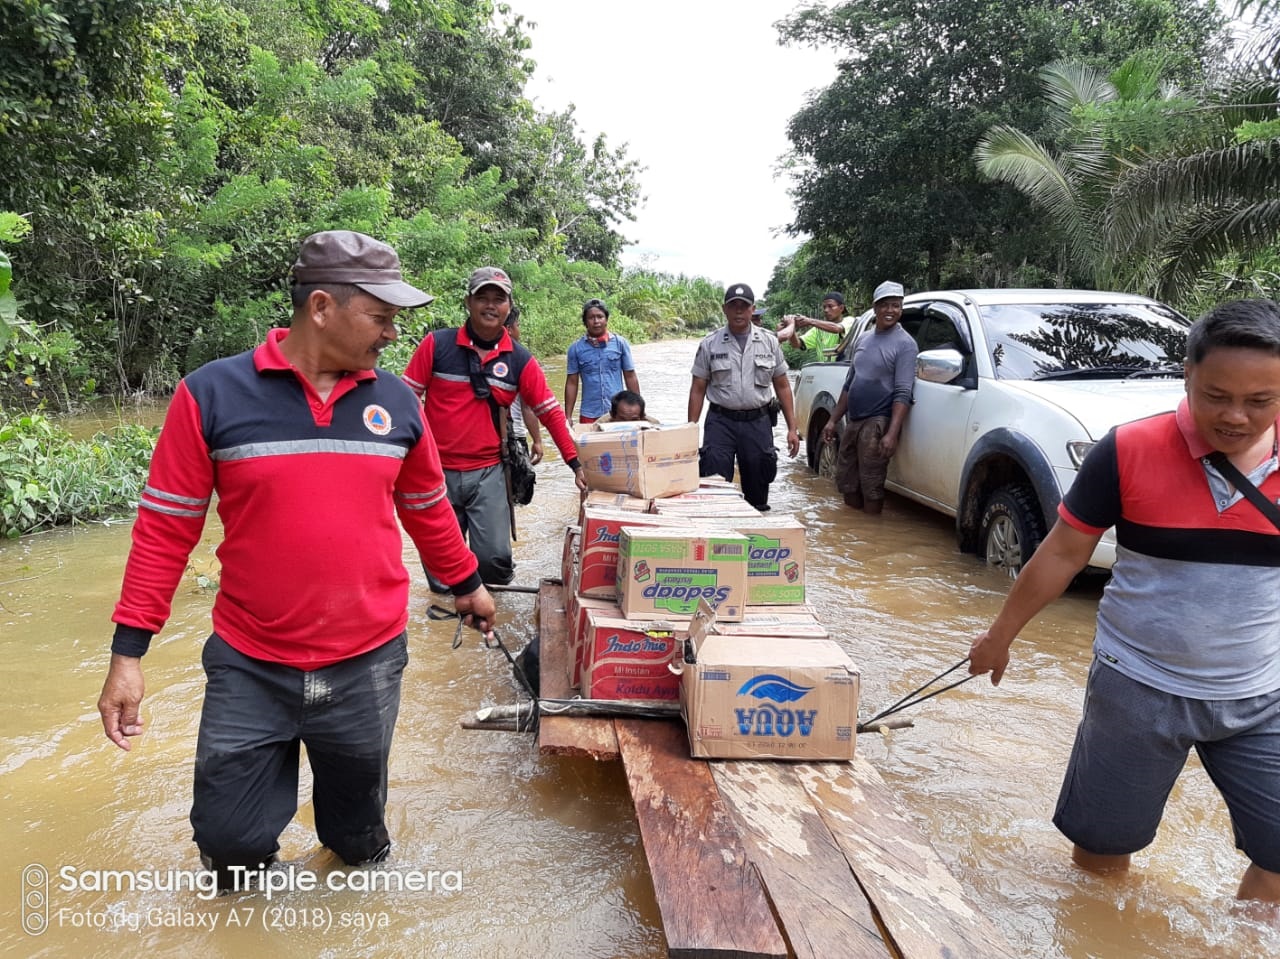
(1250, 492)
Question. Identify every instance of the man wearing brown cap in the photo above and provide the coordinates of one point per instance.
(468, 378)
(738, 369)
(313, 453)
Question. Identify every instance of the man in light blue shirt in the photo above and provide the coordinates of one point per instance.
(601, 362)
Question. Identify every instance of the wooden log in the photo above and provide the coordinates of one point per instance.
(820, 906)
(710, 896)
(918, 900)
(493, 725)
(565, 735)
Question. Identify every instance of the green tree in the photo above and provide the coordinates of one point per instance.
(884, 175)
(1209, 214)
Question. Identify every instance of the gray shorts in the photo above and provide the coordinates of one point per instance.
(1132, 743)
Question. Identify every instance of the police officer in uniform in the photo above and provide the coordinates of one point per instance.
(738, 369)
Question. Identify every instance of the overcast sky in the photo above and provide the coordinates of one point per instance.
(701, 93)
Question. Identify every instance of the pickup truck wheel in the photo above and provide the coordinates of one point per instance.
(1012, 528)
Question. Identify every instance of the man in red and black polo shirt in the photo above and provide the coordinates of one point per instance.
(313, 453)
(467, 378)
(1187, 649)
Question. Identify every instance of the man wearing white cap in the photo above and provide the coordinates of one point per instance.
(875, 398)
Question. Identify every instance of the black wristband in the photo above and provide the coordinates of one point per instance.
(130, 640)
(468, 585)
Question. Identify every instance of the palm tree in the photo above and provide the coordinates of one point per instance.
(1184, 213)
(1104, 125)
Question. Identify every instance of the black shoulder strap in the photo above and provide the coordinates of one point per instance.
(1247, 489)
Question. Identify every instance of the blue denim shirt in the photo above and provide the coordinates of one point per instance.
(599, 368)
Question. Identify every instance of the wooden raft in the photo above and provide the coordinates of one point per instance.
(769, 859)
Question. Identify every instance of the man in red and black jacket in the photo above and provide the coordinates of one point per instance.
(313, 453)
(466, 378)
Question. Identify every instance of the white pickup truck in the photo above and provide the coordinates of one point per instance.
(1012, 388)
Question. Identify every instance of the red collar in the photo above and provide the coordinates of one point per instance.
(1197, 445)
(269, 356)
(600, 340)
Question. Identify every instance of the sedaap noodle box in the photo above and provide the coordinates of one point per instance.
(776, 560)
(664, 572)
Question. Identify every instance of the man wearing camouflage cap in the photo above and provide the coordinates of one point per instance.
(468, 378)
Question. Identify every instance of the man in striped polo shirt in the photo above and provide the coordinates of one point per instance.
(1187, 648)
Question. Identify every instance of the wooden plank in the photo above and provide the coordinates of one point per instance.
(820, 906)
(918, 900)
(711, 899)
(565, 735)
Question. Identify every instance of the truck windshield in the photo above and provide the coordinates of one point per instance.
(1070, 340)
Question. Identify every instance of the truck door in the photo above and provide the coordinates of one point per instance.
(935, 436)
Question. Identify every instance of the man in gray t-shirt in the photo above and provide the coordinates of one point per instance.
(875, 397)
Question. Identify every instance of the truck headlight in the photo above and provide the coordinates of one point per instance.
(1078, 450)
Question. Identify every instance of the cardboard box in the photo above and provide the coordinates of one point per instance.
(628, 658)
(663, 572)
(715, 494)
(569, 552)
(601, 530)
(719, 508)
(776, 563)
(614, 501)
(794, 622)
(641, 460)
(752, 697)
(576, 610)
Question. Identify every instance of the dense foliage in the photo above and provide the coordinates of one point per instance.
(168, 155)
(886, 180)
(48, 478)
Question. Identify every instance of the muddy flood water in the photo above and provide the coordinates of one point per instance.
(519, 855)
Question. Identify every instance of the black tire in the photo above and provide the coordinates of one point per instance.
(1012, 528)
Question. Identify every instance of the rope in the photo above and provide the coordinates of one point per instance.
(906, 701)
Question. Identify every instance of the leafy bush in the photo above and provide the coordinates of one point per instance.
(49, 478)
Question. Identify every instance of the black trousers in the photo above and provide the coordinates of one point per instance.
(255, 716)
(750, 442)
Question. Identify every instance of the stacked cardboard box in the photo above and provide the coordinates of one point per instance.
(640, 459)
(637, 567)
(766, 697)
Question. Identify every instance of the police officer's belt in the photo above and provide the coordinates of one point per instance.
(742, 416)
